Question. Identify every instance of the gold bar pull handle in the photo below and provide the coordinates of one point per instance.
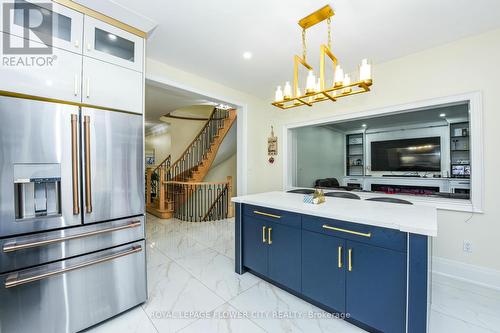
(269, 240)
(357, 233)
(349, 255)
(266, 214)
(88, 185)
(340, 257)
(264, 240)
(74, 163)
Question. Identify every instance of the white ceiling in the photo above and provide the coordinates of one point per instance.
(432, 117)
(208, 37)
(161, 101)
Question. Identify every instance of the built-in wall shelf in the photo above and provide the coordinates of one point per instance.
(355, 152)
(460, 150)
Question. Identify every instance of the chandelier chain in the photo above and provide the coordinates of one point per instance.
(304, 47)
(328, 21)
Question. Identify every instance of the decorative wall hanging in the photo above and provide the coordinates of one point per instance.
(272, 146)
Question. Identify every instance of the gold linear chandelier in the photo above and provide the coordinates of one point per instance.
(317, 90)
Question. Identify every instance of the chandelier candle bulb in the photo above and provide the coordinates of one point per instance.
(287, 91)
(310, 83)
(317, 90)
(365, 72)
(339, 76)
(278, 95)
(347, 81)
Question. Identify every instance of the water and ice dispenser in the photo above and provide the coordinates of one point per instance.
(37, 190)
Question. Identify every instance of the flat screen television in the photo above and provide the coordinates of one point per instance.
(420, 154)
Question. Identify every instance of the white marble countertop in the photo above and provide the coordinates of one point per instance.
(415, 219)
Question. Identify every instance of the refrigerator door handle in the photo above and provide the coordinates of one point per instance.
(74, 163)
(13, 280)
(12, 247)
(88, 185)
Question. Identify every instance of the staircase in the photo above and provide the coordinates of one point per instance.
(177, 189)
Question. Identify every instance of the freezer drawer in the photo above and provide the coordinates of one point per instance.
(22, 252)
(71, 295)
(113, 165)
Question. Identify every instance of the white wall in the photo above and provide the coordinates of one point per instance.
(319, 154)
(161, 144)
(220, 172)
(464, 66)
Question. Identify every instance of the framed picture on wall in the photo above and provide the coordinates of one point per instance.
(150, 157)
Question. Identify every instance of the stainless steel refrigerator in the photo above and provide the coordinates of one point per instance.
(72, 250)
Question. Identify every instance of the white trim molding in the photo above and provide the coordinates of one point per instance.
(456, 270)
(474, 99)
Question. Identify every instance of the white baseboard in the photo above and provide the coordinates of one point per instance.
(457, 270)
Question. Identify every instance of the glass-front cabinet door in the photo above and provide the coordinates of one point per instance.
(108, 43)
(45, 22)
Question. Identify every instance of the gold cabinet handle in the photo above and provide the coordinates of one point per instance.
(74, 163)
(326, 226)
(266, 214)
(349, 255)
(340, 257)
(269, 241)
(264, 234)
(88, 186)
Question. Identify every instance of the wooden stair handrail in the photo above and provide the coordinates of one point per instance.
(212, 206)
(229, 185)
(194, 183)
(173, 181)
(162, 162)
(196, 137)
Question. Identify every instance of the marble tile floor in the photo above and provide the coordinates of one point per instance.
(193, 288)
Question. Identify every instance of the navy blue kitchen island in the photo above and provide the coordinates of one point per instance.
(366, 261)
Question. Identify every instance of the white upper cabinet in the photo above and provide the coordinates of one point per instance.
(108, 43)
(112, 86)
(56, 76)
(49, 23)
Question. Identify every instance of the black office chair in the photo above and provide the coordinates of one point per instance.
(391, 200)
(327, 183)
(345, 195)
(301, 191)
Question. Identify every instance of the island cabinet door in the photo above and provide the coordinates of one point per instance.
(376, 287)
(255, 244)
(285, 255)
(324, 269)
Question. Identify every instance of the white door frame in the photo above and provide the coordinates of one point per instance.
(476, 141)
(241, 123)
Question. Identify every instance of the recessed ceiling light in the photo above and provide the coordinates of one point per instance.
(247, 55)
(442, 115)
(364, 125)
(112, 37)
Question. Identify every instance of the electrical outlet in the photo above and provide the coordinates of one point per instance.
(467, 246)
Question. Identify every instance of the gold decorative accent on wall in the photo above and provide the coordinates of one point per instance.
(272, 146)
